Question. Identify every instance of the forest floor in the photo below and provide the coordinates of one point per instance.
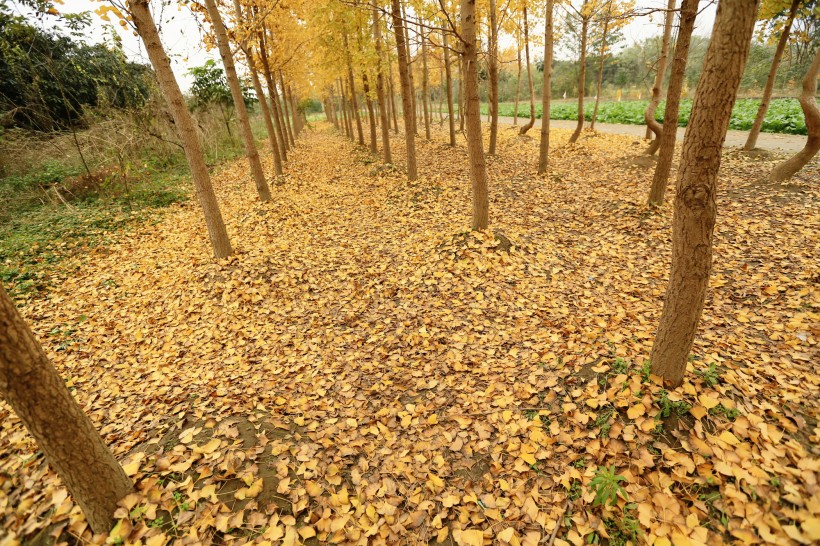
(366, 370)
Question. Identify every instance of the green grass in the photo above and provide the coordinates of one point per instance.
(783, 116)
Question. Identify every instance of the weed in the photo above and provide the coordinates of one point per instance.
(722, 411)
(623, 529)
(607, 486)
(668, 406)
(711, 375)
(602, 420)
(646, 371)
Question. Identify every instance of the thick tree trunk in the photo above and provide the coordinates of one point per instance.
(449, 78)
(475, 147)
(493, 68)
(657, 89)
(406, 91)
(751, 140)
(281, 135)
(425, 82)
(581, 78)
(527, 126)
(351, 83)
(546, 98)
(65, 434)
(239, 102)
(694, 218)
(257, 87)
(601, 67)
(688, 12)
(287, 111)
(184, 125)
(383, 119)
(790, 167)
(371, 118)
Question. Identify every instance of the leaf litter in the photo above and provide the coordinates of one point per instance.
(366, 370)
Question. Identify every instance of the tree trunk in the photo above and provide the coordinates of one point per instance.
(475, 147)
(518, 78)
(411, 78)
(751, 140)
(239, 102)
(790, 167)
(688, 12)
(346, 113)
(406, 91)
(449, 78)
(352, 85)
(601, 67)
(461, 109)
(281, 135)
(393, 108)
(425, 81)
(546, 98)
(257, 87)
(184, 125)
(581, 77)
(694, 218)
(287, 111)
(65, 434)
(493, 68)
(371, 118)
(657, 89)
(527, 126)
(385, 122)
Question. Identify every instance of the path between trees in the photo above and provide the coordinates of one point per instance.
(773, 142)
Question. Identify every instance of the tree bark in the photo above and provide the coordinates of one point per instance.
(518, 78)
(601, 66)
(425, 81)
(371, 118)
(790, 167)
(546, 98)
(527, 126)
(410, 76)
(406, 91)
(184, 125)
(281, 135)
(449, 77)
(751, 140)
(475, 147)
(346, 112)
(287, 111)
(65, 434)
(257, 86)
(239, 102)
(352, 85)
(393, 108)
(688, 12)
(383, 119)
(461, 106)
(581, 76)
(694, 217)
(493, 68)
(657, 89)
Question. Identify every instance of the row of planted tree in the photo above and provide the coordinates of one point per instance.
(344, 49)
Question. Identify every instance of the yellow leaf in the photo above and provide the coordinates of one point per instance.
(636, 411)
(471, 537)
(307, 532)
(707, 401)
(506, 535)
(208, 448)
(729, 438)
(662, 541)
(812, 528)
(698, 412)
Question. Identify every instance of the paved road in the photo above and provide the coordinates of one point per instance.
(774, 142)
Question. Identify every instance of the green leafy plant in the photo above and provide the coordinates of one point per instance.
(711, 375)
(607, 486)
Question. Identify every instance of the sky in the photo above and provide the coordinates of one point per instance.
(182, 36)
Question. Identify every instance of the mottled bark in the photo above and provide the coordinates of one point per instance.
(790, 167)
(449, 76)
(688, 12)
(472, 114)
(544, 145)
(751, 140)
(238, 101)
(693, 222)
(531, 122)
(65, 434)
(657, 88)
(406, 91)
(184, 126)
(492, 55)
(383, 119)
(581, 76)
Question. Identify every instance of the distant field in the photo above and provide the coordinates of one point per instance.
(784, 115)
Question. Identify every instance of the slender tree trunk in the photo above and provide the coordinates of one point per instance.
(257, 86)
(287, 111)
(790, 167)
(346, 112)
(475, 148)
(371, 118)
(493, 68)
(688, 12)
(581, 77)
(385, 122)
(601, 66)
(393, 107)
(441, 91)
(281, 135)
(518, 77)
(410, 64)
(65, 434)
(239, 102)
(449, 78)
(425, 90)
(657, 89)
(546, 98)
(462, 111)
(527, 126)
(751, 140)
(352, 85)
(694, 218)
(184, 126)
(406, 91)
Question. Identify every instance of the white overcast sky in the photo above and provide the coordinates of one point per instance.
(182, 36)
